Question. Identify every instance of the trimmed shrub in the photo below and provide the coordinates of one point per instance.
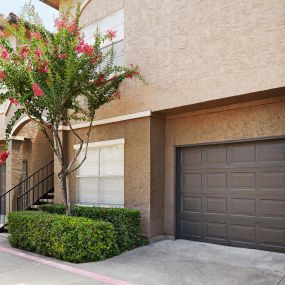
(73, 239)
(126, 222)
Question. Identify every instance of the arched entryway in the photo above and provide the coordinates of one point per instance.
(29, 152)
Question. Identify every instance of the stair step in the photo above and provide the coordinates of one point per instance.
(43, 200)
(50, 194)
(35, 207)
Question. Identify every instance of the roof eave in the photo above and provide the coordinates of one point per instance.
(52, 3)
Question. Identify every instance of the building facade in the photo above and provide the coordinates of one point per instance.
(200, 148)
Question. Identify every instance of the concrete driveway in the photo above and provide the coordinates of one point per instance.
(165, 262)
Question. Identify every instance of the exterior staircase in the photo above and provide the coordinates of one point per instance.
(35, 190)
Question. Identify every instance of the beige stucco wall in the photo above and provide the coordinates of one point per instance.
(257, 119)
(137, 162)
(190, 52)
(30, 145)
(194, 51)
(157, 154)
(39, 152)
(150, 150)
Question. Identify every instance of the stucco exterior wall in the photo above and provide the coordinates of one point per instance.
(189, 52)
(39, 152)
(137, 162)
(31, 145)
(258, 119)
(195, 51)
(157, 153)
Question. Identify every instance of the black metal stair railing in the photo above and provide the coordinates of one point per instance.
(34, 194)
(28, 192)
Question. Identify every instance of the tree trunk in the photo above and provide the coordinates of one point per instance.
(64, 187)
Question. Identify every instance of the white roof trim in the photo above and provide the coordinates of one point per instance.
(109, 120)
(95, 123)
(102, 143)
(22, 121)
(19, 123)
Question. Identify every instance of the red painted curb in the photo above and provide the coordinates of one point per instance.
(64, 267)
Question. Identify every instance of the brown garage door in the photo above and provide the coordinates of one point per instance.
(233, 194)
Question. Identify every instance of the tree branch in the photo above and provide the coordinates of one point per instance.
(81, 146)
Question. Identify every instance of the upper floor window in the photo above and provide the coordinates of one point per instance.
(114, 22)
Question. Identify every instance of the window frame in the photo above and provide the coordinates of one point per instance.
(101, 145)
(97, 25)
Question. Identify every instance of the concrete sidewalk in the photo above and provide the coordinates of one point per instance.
(165, 262)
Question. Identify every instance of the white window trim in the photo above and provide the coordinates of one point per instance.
(98, 206)
(101, 144)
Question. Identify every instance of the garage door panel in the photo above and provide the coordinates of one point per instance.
(272, 180)
(271, 152)
(245, 181)
(243, 207)
(191, 228)
(278, 223)
(241, 154)
(191, 157)
(215, 156)
(191, 204)
(243, 220)
(215, 205)
(193, 180)
(216, 230)
(215, 181)
(272, 208)
(243, 233)
(234, 194)
(272, 236)
(244, 244)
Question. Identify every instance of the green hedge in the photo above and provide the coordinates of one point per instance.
(73, 239)
(126, 222)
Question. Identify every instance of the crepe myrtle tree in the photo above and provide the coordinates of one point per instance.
(57, 79)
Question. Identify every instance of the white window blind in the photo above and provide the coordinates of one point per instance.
(100, 180)
(114, 22)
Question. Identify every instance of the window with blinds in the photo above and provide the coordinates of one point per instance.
(100, 180)
(114, 22)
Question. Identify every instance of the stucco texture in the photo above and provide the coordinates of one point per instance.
(195, 51)
(32, 146)
(258, 119)
(137, 162)
(190, 52)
